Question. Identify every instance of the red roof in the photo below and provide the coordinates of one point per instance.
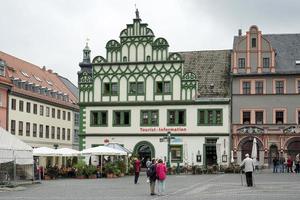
(20, 69)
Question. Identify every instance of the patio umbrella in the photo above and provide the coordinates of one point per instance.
(103, 150)
(254, 151)
(232, 159)
(44, 151)
(67, 152)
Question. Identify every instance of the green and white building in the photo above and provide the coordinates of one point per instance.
(139, 91)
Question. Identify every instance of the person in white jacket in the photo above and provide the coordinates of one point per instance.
(248, 165)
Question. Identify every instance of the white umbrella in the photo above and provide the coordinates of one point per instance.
(67, 152)
(44, 151)
(254, 151)
(232, 159)
(103, 150)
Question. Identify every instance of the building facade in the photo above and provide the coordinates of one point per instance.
(139, 92)
(266, 94)
(40, 108)
(5, 86)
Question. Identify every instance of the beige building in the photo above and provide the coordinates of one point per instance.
(41, 107)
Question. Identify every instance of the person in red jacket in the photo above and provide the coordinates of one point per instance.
(289, 165)
(161, 173)
(137, 169)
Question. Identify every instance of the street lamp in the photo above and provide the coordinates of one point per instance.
(168, 138)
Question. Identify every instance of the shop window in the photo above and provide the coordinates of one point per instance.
(176, 153)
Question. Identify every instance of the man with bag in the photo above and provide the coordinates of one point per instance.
(151, 173)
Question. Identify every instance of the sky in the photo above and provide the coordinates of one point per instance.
(52, 33)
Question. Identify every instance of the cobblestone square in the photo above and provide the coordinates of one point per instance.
(222, 186)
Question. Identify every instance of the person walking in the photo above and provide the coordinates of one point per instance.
(281, 164)
(152, 176)
(161, 171)
(248, 167)
(275, 164)
(148, 164)
(137, 169)
(297, 163)
(289, 165)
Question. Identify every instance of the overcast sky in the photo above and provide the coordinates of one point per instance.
(52, 33)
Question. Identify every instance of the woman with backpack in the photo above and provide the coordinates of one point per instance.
(161, 171)
(151, 173)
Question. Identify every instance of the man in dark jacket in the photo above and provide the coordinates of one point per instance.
(152, 176)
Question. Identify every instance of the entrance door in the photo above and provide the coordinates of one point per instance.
(294, 148)
(247, 149)
(144, 152)
(211, 154)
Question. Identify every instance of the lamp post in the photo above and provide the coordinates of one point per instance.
(168, 138)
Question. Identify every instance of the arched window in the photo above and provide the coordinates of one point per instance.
(148, 58)
(124, 59)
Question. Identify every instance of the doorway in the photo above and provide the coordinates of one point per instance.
(145, 151)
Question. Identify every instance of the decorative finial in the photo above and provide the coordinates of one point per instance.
(87, 41)
(137, 14)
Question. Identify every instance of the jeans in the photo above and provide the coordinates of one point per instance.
(275, 167)
(136, 177)
(161, 186)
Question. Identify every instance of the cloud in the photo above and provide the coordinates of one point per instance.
(53, 32)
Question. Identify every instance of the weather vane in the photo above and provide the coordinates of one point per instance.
(87, 41)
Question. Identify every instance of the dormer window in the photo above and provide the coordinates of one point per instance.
(241, 63)
(25, 74)
(37, 78)
(266, 62)
(2, 65)
(253, 43)
(49, 82)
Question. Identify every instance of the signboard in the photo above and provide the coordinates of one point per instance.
(159, 129)
(176, 140)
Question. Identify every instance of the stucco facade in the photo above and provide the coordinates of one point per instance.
(265, 95)
(139, 92)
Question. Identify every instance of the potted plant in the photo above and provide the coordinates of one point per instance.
(79, 169)
(90, 171)
(109, 170)
(121, 166)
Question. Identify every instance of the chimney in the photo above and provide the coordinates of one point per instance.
(240, 32)
(44, 68)
(50, 71)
